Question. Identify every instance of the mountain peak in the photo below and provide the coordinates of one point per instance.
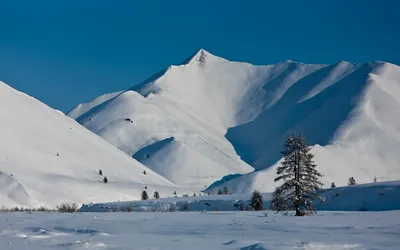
(201, 56)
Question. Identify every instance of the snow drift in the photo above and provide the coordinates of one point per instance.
(47, 158)
(223, 117)
(368, 197)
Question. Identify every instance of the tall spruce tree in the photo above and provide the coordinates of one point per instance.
(300, 178)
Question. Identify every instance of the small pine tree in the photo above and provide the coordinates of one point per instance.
(144, 172)
(174, 192)
(300, 178)
(333, 185)
(219, 192)
(100, 172)
(257, 201)
(225, 190)
(156, 195)
(105, 180)
(194, 194)
(145, 196)
(352, 181)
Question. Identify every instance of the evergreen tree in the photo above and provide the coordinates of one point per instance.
(156, 195)
(144, 172)
(105, 180)
(100, 172)
(257, 201)
(194, 194)
(333, 185)
(225, 190)
(174, 192)
(300, 178)
(219, 192)
(352, 181)
(145, 196)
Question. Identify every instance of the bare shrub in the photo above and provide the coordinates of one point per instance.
(67, 207)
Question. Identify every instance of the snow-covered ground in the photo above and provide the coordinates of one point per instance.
(367, 197)
(209, 117)
(196, 231)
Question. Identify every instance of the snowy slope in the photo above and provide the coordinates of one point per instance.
(354, 125)
(47, 158)
(209, 117)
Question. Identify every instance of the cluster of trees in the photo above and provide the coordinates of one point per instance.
(145, 196)
(223, 191)
(105, 180)
(351, 182)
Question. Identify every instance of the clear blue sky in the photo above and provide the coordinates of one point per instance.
(67, 52)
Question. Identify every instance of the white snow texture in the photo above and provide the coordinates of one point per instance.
(47, 158)
(209, 117)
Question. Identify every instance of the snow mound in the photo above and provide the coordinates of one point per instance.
(46, 158)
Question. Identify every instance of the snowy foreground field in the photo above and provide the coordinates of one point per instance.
(193, 230)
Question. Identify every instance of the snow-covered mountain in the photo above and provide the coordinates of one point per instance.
(210, 117)
(47, 158)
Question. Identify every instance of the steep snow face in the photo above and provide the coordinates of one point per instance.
(354, 125)
(47, 158)
(209, 111)
(315, 105)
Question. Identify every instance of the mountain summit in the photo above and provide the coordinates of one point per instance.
(210, 117)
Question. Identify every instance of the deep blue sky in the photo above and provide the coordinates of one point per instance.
(67, 52)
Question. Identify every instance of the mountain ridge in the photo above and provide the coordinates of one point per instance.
(235, 114)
